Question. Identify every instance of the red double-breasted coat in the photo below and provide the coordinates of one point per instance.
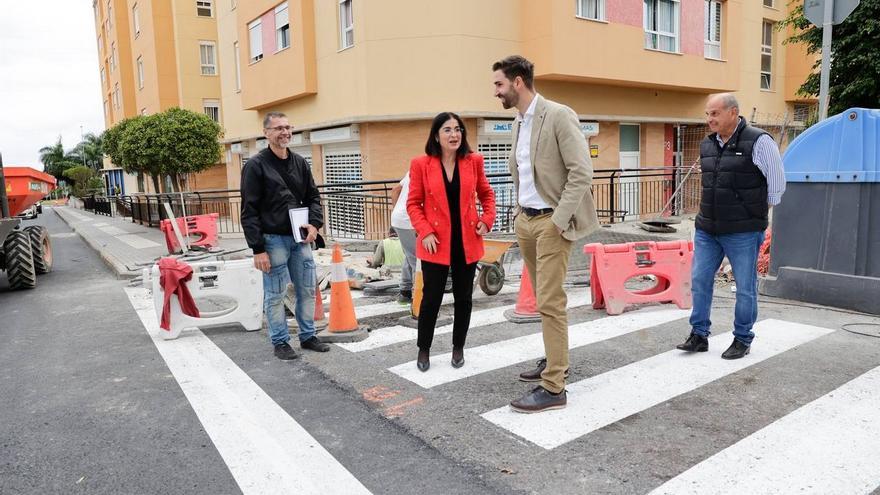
(428, 206)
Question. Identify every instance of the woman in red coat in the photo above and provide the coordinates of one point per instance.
(444, 184)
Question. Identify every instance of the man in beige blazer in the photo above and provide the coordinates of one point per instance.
(552, 172)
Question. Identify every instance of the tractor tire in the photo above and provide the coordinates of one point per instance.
(41, 247)
(19, 261)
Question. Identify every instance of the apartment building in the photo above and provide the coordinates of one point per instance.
(360, 80)
(154, 55)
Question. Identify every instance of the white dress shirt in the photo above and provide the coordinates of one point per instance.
(528, 193)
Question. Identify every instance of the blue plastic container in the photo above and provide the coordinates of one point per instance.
(826, 231)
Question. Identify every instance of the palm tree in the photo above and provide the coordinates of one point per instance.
(53, 158)
(91, 149)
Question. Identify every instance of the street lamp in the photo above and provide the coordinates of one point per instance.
(82, 146)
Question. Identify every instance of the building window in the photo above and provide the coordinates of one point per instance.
(144, 111)
(109, 14)
(136, 20)
(591, 9)
(208, 58)
(712, 43)
(805, 112)
(237, 54)
(116, 96)
(282, 27)
(106, 109)
(766, 55)
(661, 25)
(768, 3)
(112, 56)
(346, 24)
(140, 73)
(100, 43)
(255, 37)
(103, 76)
(234, 4)
(205, 8)
(212, 109)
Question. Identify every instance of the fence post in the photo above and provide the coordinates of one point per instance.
(613, 206)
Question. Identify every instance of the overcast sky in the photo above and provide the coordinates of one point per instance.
(49, 80)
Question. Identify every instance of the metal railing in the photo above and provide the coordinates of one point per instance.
(362, 210)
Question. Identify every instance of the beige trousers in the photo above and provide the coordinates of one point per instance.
(545, 253)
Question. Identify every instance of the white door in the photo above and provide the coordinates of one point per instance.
(628, 194)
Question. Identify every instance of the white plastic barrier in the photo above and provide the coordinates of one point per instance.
(236, 280)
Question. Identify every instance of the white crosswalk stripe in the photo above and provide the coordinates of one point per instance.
(385, 336)
(828, 446)
(509, 352)
(266, 450)
(604, 399)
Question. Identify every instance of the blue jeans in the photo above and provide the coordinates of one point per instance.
(291, 262)
(742, 251)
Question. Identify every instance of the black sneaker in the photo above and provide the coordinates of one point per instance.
(315, 344)
(405, 297)
(285, 352)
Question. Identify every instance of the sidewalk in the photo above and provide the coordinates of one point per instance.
(126, 247)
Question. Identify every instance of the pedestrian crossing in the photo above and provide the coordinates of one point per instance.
(529, 347)
(597, 401)
(838, 456)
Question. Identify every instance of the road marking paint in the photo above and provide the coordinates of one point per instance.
(828, 446)
(506, 353)
(382, 337)
(604, 399)
(265, 449)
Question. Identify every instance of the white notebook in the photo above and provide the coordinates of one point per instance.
(298, 218)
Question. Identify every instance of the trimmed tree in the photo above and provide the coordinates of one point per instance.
(171, 143)
(187, 143)
(855, 67)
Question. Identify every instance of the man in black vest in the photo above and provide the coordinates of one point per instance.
(273, 182)
(742, 178)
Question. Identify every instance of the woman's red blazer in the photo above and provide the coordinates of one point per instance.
(428, 206)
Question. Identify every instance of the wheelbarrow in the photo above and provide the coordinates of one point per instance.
(491, 267)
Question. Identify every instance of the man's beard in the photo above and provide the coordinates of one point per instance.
(509, 100)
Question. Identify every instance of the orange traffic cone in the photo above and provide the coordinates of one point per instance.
(526, 309)
(418, 287)
(319, 307)
(343, 325)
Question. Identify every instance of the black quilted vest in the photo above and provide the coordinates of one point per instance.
(734, 195)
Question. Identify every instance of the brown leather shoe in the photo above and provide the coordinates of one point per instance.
(539, 400)
(535, 374)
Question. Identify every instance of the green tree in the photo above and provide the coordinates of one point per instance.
(56, 160)
(855, 67)
(121, 142)
(90, 150)
(187, 143)
(171, 143)
(84, 180)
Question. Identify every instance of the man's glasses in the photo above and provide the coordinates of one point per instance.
(279, 128)
(450, 130)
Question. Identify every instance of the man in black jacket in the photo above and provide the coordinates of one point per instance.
(273, 182)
